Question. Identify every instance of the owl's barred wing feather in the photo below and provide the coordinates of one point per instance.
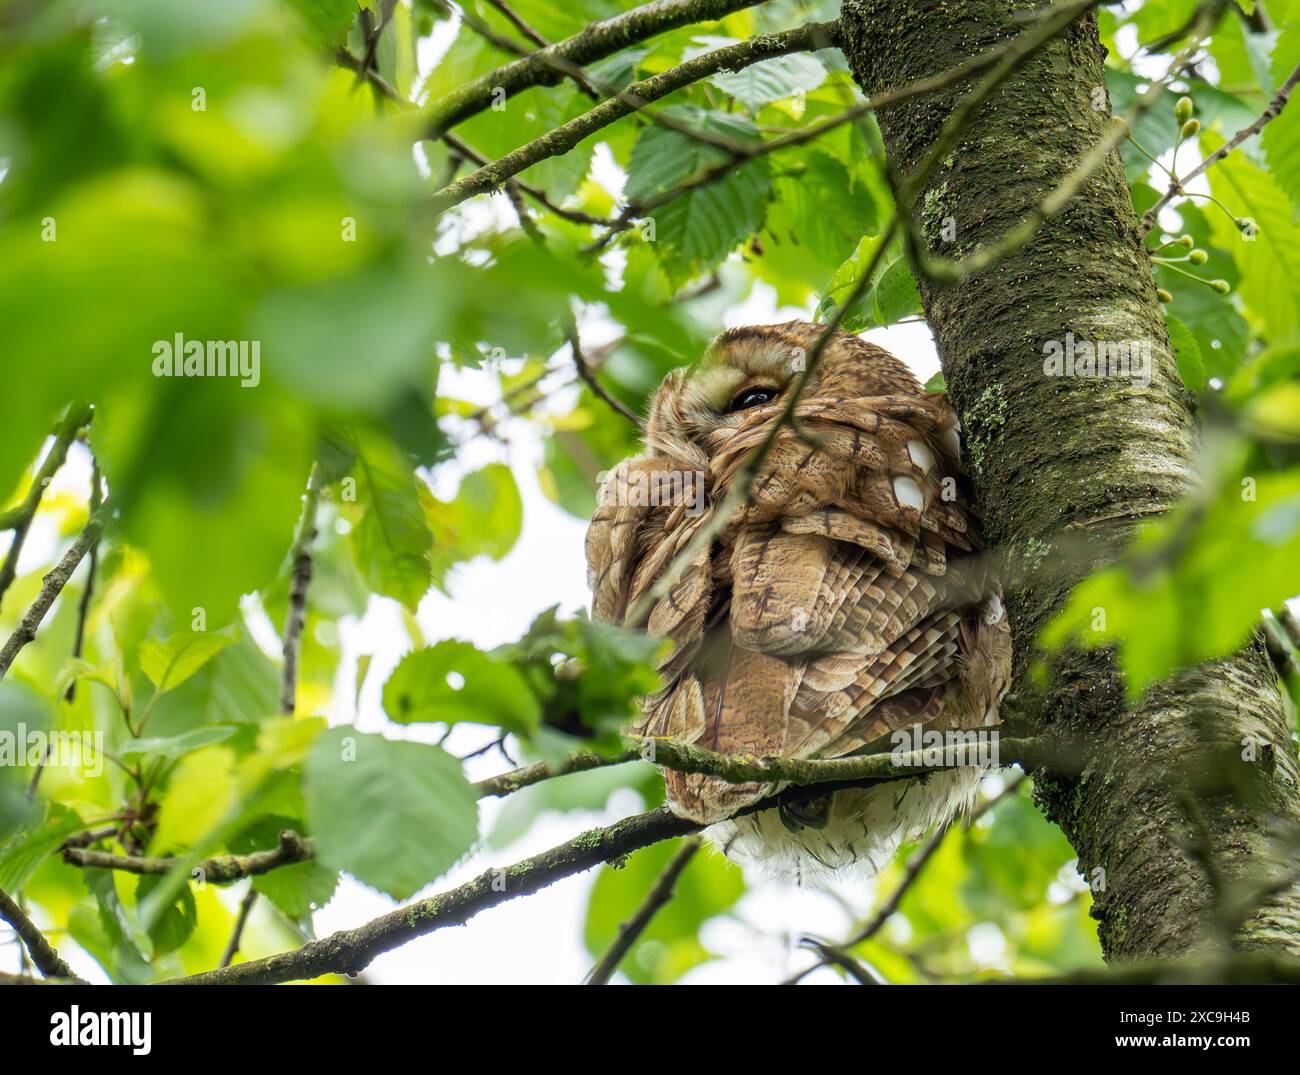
(845, 598)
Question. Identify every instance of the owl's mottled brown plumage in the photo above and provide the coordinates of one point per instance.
(846, 599)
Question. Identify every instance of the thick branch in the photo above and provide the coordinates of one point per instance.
(1055, 456)
(544, 67)
(219, 870)
(47, 960)
(350, 951)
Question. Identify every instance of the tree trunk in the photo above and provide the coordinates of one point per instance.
(1065, 468)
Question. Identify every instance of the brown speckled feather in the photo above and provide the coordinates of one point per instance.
(847, 597)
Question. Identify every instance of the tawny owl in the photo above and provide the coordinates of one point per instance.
(845, 599)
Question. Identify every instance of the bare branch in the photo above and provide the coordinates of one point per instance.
(633, 99)
(20, 519)
(536, 193)
(232, 946)
(508, 783)
(588, 376)
(47, 960)
(219, 870)
(520, 23)
(542, 68)
(351, 951)
(915, 865)
(300, 567)
(660, 893)
(1176, 186)
(51, 587)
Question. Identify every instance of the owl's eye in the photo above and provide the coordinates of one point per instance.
(751, 397)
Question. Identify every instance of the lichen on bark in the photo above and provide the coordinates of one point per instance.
(1160, 809)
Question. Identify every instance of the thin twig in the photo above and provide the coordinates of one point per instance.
(520, 23)
(536, 193)
(344, 58)
(833, 955)
(912, 871)
(628, 933)
(83, 611)
(20, 519)
(300, 578)
(88, 591)
(571, 70)
(508, 783)
(1176, 186)
(232, 945)
(597, 41)
(588, 376)
(51, 586)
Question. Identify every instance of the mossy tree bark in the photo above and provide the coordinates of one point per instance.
(1065, 468)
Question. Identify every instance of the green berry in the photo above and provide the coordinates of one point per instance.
(1186, 241)
(1164, 296)
(1190, 128)
(1221, 286)
(1183, 109)
(1198, 257)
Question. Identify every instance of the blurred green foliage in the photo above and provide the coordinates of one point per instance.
(182, 171)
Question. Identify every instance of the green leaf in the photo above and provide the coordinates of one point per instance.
(696, 231)
(819, 204)
(395, 815)
(328, 20)
(296, 890)
(453, 682)
(484, 518)
(175, 746)
(201, 794)
(772, 80)
(385, 313)
(589, 675)
(892, 295)
(170, 662)
(1269, 257)
(108, 933)
(1187, 352)
(1281, 137)
(28, 848)
(171, 928)
(390, 536)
